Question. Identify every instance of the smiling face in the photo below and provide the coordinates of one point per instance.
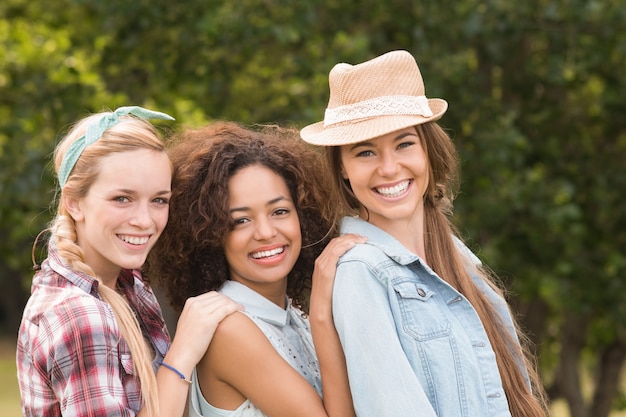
(265, 242)
(124, 211)
(388, 175)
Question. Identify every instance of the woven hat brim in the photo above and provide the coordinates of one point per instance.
(360, 130)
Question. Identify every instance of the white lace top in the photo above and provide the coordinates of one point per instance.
(289, 333)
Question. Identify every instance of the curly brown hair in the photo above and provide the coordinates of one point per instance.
(189, 259)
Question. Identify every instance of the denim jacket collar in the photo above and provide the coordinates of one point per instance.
(380, 239)
(391, 246)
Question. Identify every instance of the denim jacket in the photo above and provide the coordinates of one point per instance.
(414, 346)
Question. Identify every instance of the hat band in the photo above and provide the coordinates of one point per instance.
(379, 106)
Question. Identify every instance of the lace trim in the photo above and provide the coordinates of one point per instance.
(379, 106)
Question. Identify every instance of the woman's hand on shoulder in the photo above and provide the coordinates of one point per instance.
(196, 326)
(324, 274)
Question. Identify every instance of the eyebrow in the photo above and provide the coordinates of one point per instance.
(269, 203)
(368, 143)
(134, 192)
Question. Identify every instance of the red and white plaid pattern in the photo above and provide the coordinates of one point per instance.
(71, 358)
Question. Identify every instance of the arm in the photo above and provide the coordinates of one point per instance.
(195, 329)
(242, 364)
(381, 378)
(335, 386)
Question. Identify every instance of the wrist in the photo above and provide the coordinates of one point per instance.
(320, 315)
(175, 371)
(179, 360)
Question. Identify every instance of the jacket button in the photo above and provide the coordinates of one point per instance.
(421, 292)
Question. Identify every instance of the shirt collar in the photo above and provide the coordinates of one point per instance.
(83, 281)
(255, 304)
(138, 294)
(391, 246)
(58, 265)
(379, 238)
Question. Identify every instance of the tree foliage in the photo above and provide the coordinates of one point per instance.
(535, 91)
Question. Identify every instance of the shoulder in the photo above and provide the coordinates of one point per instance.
(63, 303)
(78, 327)
(369, 256)
(364, 252)
(364, 269)
(465, 252)
(237, 345)
(84, 309)
(239, 329)
(74, 318)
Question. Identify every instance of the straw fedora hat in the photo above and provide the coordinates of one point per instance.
(373, 98)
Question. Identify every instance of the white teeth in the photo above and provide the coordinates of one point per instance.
(134, 240)
(267, 253)
(393, 191)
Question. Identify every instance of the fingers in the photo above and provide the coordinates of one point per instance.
(337, 247)
(345, 242)
(211, 306)
(197, 324)
(326, 263)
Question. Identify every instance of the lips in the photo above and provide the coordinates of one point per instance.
(395, 191)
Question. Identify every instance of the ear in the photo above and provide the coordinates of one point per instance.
(343, 173)
(72, 205)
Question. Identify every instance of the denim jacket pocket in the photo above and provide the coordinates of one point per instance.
(422, 317)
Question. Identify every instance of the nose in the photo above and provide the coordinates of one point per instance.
(141, 216)
(388, 166)
(264, 229)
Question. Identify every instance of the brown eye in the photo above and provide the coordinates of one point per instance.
(365, 153)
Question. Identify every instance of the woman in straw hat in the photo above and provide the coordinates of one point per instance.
(424, 330)
(251, 218)
(92, 333)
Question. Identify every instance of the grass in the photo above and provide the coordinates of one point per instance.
(10, 396)
(10, 393)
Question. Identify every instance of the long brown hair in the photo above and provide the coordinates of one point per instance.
(443, 257)
(129, 134)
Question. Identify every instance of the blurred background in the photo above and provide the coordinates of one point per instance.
(537, 109)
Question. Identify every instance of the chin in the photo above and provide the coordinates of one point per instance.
(135, 264)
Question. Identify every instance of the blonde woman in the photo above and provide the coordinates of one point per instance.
(92, 333)
(424, 330)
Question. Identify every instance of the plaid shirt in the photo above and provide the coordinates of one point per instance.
(71, 357)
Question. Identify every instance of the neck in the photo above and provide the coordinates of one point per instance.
(411, 236)
(410, 233)
(110, 282)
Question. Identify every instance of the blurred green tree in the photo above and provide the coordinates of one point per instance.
(536, 109)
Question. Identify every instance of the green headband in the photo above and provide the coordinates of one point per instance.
(95, 132)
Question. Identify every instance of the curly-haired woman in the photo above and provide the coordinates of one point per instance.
(250, 214)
